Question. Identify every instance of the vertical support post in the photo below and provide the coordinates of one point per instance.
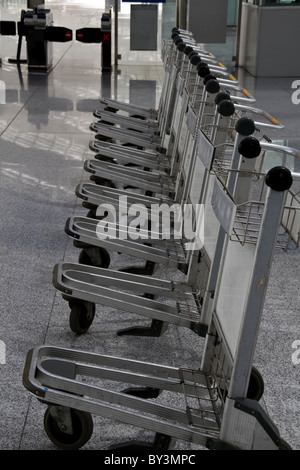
(182, 6)
(106, 42)
(116, 16)
(278, 180)
(238, 33)
(244, 127)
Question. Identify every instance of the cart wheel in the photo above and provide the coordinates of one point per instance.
(111, 110)
(92, 213)
(81, 316)
(82, 423)
(134, 146)
(104, 158)
(96, 256)
(284, 445)
(107, 123)
(256, 385)
(103, 181)
(137, 116)
(104, 138)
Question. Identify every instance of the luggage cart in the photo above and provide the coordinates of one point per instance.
(177, 62)
(187, 84)
(147, 143)
(77, 315)
(143, 158)
(87, 227)
(171, 57)
(95, 251)
(187, 90)
(180, 161)
(153, 181)
(184, 98)
(212, 407)
(167, 252)
(150, 127)
(181, 74)
(85, 286)
(159, 182)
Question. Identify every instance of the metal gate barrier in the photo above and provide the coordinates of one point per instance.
(36, 26)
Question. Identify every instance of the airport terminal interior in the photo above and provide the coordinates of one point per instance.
(45, 125)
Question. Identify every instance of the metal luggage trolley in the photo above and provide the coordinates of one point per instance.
(215, 407)
(150, 159)
(171, 253)
(155, 182)
(159, 182)
(182, 73)
(183, 62)
(153, 159)
(171, 57)
(139, 118)
(90, 192)
(185, 97)
(154, 124)
(86, 237)
(187, 92)
(187, 84)
(84, 231)
(85, 286)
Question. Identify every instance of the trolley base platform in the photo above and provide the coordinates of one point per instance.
(186, 404)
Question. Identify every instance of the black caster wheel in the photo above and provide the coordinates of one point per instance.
(284, 445)
(92, 213)
(104, 138)
(94, 256)
(107, 123)
(81, 316)
(111, 110)
(104, 158)
(256, 385)
(134, 146)
(102, 181)
(137, 116)
(82, 424)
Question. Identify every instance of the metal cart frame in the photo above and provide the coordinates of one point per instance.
(217, 405)
(84, 286)
(216, 411)
(170, 253)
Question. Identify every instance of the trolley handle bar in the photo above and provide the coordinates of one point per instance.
(295, 176)
(273, 123)
(282, 148)
(229, 84)
(224, 77)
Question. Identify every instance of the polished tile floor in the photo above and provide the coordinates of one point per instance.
(44, 126)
